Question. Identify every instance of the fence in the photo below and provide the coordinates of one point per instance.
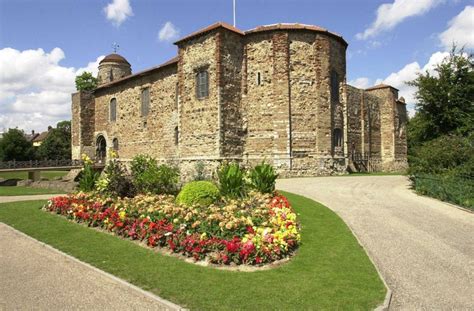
(40, 164)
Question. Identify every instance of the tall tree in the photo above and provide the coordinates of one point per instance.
(86, 81)
(445, 99)
(57, 146)
(14, 146)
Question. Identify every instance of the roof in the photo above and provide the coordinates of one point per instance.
(380, 86)
(209, 29)
(172, 61)
(295, 26)
(114, 58)
(40, 137)
(281, 26)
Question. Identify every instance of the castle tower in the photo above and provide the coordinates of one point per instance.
(113, 67)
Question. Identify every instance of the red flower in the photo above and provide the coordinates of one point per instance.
(250, 230)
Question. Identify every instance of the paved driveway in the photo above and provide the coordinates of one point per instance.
(424, 248)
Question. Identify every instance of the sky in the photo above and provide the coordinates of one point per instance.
(44, 44)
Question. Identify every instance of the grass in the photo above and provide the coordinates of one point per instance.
(330, 270)
(24, 175)
(19, 190)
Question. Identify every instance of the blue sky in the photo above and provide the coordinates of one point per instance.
(44, 43)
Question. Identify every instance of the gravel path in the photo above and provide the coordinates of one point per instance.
(37, 277)
(16, 198)
(424, 248)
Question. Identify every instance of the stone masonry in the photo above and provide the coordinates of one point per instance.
(275, 93)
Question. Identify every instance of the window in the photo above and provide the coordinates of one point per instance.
(176, 136)
(115, 144)
(202, 84)
(113, 110)
(337, 137)
(177, 95)
(145, 101)
(259, 78)
(334, 87)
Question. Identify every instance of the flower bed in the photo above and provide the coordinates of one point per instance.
(255, 230)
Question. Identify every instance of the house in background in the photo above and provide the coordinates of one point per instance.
(39, 138)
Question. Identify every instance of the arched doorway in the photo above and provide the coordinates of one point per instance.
(101, 149)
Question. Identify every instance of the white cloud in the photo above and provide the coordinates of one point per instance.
(118, 11)
(391, 14)
(361, 83)
(408, 73)
(460, 30)
(35, 90)
(168, 32)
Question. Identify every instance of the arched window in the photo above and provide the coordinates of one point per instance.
(115, 144)
(145, 101)
(101, 149)
(202, 84)
(113, 110)
(337, 137)
(176, 135)
(334, 87)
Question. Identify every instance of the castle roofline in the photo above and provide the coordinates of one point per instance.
(295, 26)
(145, 72)
(114, 58)
(208, 29)
(264, 28)
(380, 86)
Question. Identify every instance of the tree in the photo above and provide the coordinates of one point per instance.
(57, 146)
(445, 99)
(14, 146)
(86, 81)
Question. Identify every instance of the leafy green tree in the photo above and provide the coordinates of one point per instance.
(86, 81)
(57, 146)
(445, 99)
(14, 146)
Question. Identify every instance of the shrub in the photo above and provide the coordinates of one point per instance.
(202, 193)
(115, 181)
(88, 176)
(149, 177)
(263, 177)
(231, 180)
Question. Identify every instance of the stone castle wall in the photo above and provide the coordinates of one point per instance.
(274, 95)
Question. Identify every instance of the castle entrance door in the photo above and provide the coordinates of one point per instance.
(101, 149)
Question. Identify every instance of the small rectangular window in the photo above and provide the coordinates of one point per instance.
(113, 110)
(177, 95)
(259, 78)
(202, 84)
(145, 102)
(337, 137)
(334, 87)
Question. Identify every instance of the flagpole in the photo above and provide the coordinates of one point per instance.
(234, 10)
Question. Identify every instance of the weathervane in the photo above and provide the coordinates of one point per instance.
(115, 47)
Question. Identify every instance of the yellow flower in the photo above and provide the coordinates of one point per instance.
(122, 215)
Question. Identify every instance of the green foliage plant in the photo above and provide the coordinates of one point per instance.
(115, 181)
(86, 81)
(202, 193)
(149, 177)
(88, 176)
(14, 146)
(263, 177)
(231, 180)
(57, 145)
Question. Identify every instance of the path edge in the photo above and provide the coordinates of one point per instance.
(168, 304)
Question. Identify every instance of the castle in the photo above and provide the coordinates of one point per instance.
(276, 93)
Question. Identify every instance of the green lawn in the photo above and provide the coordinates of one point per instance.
(330, 271)
(18, 190)
(24, 175)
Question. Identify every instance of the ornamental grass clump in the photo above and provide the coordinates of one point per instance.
(231, 180)
(258, 229)
(202, 193)
(263, 177)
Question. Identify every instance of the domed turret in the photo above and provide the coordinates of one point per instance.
(113, 67)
